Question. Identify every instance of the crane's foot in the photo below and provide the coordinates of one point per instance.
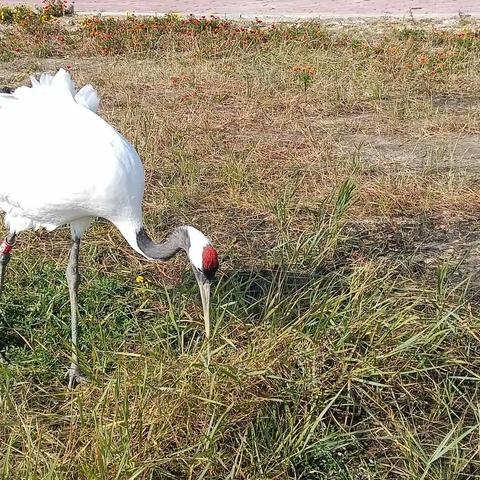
(75, 376)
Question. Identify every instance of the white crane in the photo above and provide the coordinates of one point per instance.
(60, 163)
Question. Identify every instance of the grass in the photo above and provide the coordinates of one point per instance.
(336, 168)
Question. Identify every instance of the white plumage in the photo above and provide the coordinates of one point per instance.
(63, 164)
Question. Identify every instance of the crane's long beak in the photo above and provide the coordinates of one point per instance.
(205, 294)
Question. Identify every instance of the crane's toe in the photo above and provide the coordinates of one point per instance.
(75, 376)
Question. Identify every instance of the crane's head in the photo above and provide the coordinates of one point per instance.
(204, 260)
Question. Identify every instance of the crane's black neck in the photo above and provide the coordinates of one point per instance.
(176, 241)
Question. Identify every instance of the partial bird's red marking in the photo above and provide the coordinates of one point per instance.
(209, 258)
(5, 248)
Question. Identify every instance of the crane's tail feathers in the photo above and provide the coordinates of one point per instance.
(60, 85)
(60, 82)
(88, 97)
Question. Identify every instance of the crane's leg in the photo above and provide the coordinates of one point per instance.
(5, 250)
(73, 279)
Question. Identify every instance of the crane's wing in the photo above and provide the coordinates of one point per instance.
(60, 161)
(61, 82)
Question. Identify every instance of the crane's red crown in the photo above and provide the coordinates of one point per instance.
(209, 261)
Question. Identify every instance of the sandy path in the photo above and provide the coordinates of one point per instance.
(279, 8)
